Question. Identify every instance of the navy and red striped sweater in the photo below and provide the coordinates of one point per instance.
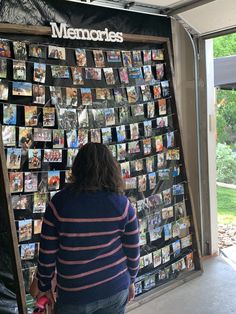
(92, 239)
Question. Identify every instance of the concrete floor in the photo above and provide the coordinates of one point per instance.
(212, 293)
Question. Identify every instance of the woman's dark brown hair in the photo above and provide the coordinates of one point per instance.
(95, 169)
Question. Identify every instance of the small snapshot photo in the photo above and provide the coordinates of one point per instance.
(37, 51)
(98, 58)
(21, 202)
(173, 154)
(20, 51)
(3, 68)
(186, 241)
(13, 158)
(130, 183)
(161, 160)
(164, 174)
(146, 93)
(68, 176)
(25, 137)
(52, 155)
(39, 72)
(40, 200)
(19, 70)
(58, 140)
(39, 94)
(150, 164)
(27, 251)
(165, 88)
(159, 71)
(81, 59)
(55, 52)
(124, 114)
(138, 165)
(120, 95)
(142, 183)
(60, 71)
(132, 94)
(121, 151)
(167, 197)
(135, 73)
(156, 258)
(71, 97)
(31, 115)
(156, 89)
(157, 54)
(4, 90)
(125, 170)
(113, 56)
(147, 146)
(162, 107)
(134, 131)
(71, 154)
(137, 58)
(180, 210)
(167, 231)
(189, 261)
(86, 96)
(127, 58)
(34, 158)
(170, 139)
(178, 189)
(9, 114)
(37, 226)
(162, 122)
(106, 135)
(159, 143)
(93, 74)
(150, 109)
(147, 71)
(175, 171)
(165, 253)
(25, 229)
(138, 288)
(147, 126)
(31, 182)
(155, 233)
(152, 180)
(48, 116)
(95, 135)
(72, 139)
(67, 119)
(103, 94)
(83, 118)
(112, 148)
(176, 248)
(147, 56)
(56, 95)
(120, 133)
(77, 75)
(16, 182)
(82, 137)
(42, 135)
(109, 76)
(134, 147)
(5, 50)
(123, 74)
(21, 89)
(110, 118)
(53, 180)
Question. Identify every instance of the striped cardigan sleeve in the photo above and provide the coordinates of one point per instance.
(130, 243)
(48, 250)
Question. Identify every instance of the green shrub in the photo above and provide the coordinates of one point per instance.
(225, 164)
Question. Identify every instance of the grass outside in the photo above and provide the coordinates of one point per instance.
(226, 200)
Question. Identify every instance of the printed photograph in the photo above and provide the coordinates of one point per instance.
(123, 74)
(124, 114)
(130, 183)
(155, 233)
(176, 248)
(167, 231)
(159, 143)
(120, 95)
(142, 183)
(113, 56)
(39, 94)
(71, 97)
(132, 94)
(72, 139)
(31, 115)
(164, 174)
(31, 182)
(150, 164)
(175, 229)
(55, 52)
(95, 136)
(126, 58)
(109, 76)
(134, 147)
(137, 110)
(180, 210)
(68, 176)
(20, 89)
(142, 206)
(156, 89)
(40, 200)
(120, 133)
(146, 93)
(56, 95)
(16, 182)
(53, 180)
(175, 171)
(5, 50)
(149, 282)
(67, 119)
(138, 288)
(25, 138)
(34, 158)
(137, 58)
(48, 116)
(125, 170)
(3, 68)
(37, 226)
(19, 70)
(165, 88)
(148, 259)
(37, 51)
(110, 118)
(77, 76)
(147, 125)
(27, 251)
(42, 135)
(4, 90)
(134, 131)
(189, 261)
(98, 58)
(137, 165)
(25, 229)
(161, 160)
(147, 146)
(81, 59)
(157, 54)
(71, 154)
(39, 72)
(147, 71)
(162, 107)
(52, 155)
(178, 189)
(21, 202)
(150, 109)
(13, 158)
(159, 71)
(147, 56)
(9, 114)
(162, 122)
(83, 118)
(103, 94)
(106, 135)
(167, 197)
(86, 96)
(20, 51)
(173, 154)
(152, 180)
(121, 151)
(156, 258)
(165, 253)
(60, 71)
(186, 241)
(58, 140)
(154, 220)
(82, 137)
(170, 139)
(93, 74)
(135, 73)
(112, 148)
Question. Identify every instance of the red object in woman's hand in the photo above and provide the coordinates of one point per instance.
(41, 304)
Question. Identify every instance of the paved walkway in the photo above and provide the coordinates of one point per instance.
(212, 293)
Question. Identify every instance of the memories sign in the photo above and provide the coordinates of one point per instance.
(63, 31)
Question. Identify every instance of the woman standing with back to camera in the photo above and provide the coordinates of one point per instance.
(90, 235)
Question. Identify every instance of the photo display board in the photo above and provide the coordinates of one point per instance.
(53, 100)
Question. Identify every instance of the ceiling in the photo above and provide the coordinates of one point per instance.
(206, 18)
